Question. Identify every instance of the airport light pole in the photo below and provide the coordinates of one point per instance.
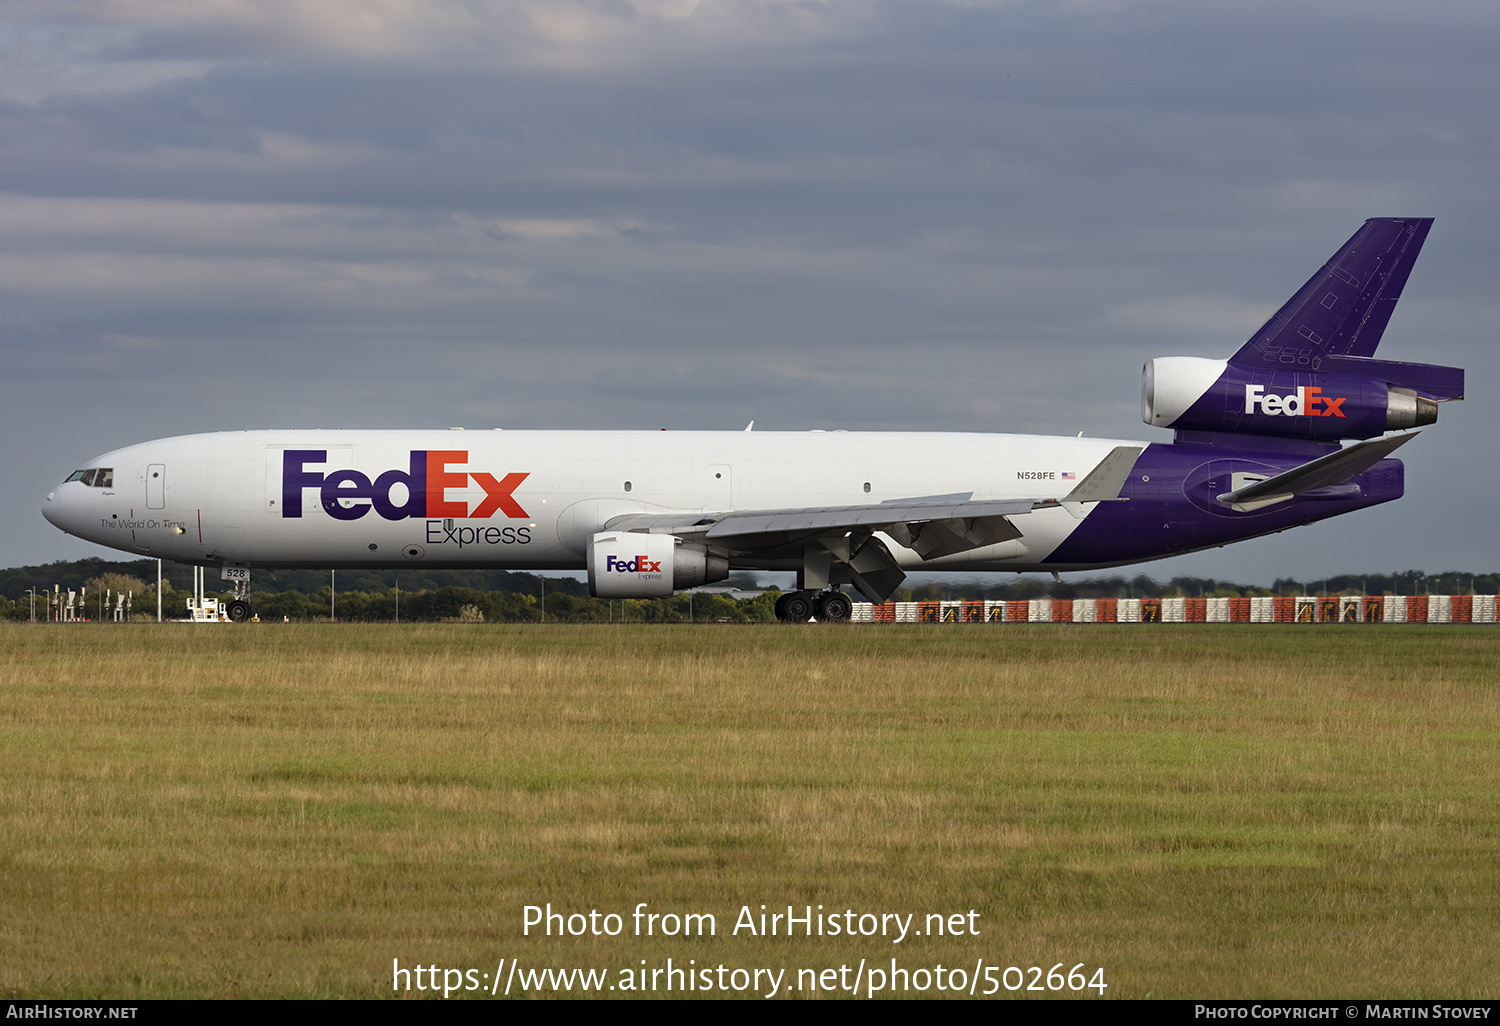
(33, 604)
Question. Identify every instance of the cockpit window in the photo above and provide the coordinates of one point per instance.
(94, 477)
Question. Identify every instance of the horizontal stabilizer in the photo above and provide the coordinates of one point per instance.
(1427, 380)
(1333, 469)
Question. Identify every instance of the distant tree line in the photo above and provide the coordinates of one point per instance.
(499, 596)
(490, 596)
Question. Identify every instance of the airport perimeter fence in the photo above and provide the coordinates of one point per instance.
(1295, 609)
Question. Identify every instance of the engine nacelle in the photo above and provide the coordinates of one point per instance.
(1194, 394)
(629, 564)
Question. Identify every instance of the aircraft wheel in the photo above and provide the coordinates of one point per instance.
(780, 608)
(798, 608)
(238, 611)
(835, 607)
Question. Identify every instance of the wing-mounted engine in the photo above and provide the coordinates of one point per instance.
(634, 564)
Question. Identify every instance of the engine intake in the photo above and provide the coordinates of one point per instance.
(629, 564)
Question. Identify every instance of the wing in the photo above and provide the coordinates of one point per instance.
(932, 525)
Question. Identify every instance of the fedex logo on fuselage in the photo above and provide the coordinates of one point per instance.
(638, 565)
(426, 482)
(1305, 402)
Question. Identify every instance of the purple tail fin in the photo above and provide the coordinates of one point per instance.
(1344, 308)
(1309, 373)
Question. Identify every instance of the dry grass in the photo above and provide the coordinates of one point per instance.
(1204, 811)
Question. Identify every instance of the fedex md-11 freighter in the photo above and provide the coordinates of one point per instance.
(1257, 449)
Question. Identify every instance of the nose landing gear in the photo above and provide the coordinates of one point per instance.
(238, 609)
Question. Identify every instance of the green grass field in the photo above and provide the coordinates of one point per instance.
(1203, 811)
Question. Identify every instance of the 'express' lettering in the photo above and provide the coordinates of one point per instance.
(426, 481)
(446, 532)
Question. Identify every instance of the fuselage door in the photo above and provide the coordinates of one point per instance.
(156, 486)
(719, 495)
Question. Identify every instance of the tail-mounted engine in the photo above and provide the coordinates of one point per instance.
(1188, 393)
(1310, 371)
(631, 564)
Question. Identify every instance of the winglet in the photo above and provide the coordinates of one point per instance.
(1104, 482)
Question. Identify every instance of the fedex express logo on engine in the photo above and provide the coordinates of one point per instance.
(425, 484)
(1305, 402)
(638, 565)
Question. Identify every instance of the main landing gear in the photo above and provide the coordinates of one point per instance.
(825, 607)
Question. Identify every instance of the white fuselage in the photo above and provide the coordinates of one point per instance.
(531, 499)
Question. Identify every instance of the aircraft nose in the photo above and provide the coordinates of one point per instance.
(54, 508)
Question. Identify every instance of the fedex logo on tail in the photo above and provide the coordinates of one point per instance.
(638, 565)
(426, 482)
(1307, 401)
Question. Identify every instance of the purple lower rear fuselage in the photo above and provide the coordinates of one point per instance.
(1172, 507)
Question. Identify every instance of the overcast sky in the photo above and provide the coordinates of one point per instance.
(966, 216)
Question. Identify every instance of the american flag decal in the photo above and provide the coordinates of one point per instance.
(1069, 477)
